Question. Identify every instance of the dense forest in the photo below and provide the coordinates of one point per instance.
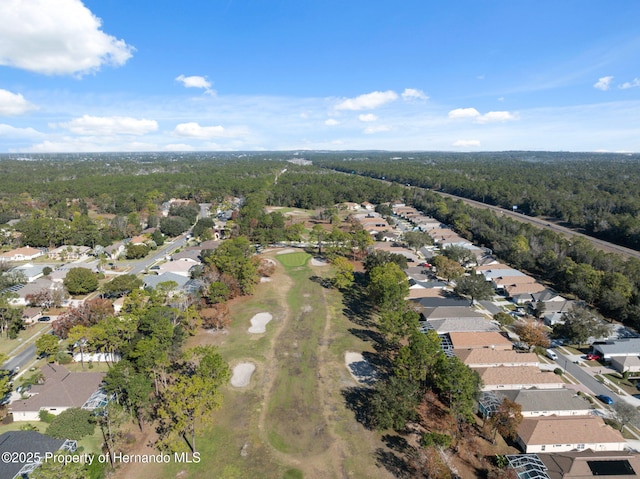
(53, 196)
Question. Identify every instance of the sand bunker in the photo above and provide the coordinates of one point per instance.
(318, 262)
(286, 251)
(242, 374)
(264, 279)
(259, 323)
(360, 368)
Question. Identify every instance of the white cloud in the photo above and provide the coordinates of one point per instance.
(13, 104)
(56, 37)
(473, 114)
(196, 81)
(376, 129)
(413, 94)
(194, 130)
(463, 113)
(331, 122)
(603, 83)
(466, 143)
(368, 101)
(13, 132)
(630, 84)
(496, 117)
(109, 125)
(367, 117)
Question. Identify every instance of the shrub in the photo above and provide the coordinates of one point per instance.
(436, 439)
(63, 358)
(558, 371)
(74, 423)
(46, 416)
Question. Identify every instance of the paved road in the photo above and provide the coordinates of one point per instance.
(586, 379)
(22, 359)
(548, 224)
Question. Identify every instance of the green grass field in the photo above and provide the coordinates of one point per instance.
(291, 260)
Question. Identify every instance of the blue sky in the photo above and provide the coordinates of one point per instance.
(198, 75)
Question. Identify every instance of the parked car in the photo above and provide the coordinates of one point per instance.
(44, 319)
(593, 357)
(605, 399)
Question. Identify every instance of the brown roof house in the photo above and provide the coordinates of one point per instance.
(552, 434)
(589, 464)
(489, 339)
(493, 358)
(61, 390)
(27, 253)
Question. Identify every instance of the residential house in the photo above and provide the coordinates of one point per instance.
(552, 434)
(493, 358)
(392, 248)
(521, 293)
(348, 205)
(368, 206)
(31, 315)
(492, 266)
(548, 402)
(626, 364)
(190, 253)
(38, 286)
(418, 292)
(590, 464)
(26, 253)
(449, 325)
(490, 339)
(181, 266)
(446, 311)
(31, 271)
(68, 253)
(25, 447)
(138, 240)
(619, 347)
(115, 250)
(518, 377)
(61, 390)
(502, 281)
(152, 281)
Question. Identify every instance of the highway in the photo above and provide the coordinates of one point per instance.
(548, 224)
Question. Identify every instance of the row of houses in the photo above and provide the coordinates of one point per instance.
(556, 418)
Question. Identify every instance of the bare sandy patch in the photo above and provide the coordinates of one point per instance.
(318, 262)
(265, 279)
(360, 368)
(242, 374)
(259, 323)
